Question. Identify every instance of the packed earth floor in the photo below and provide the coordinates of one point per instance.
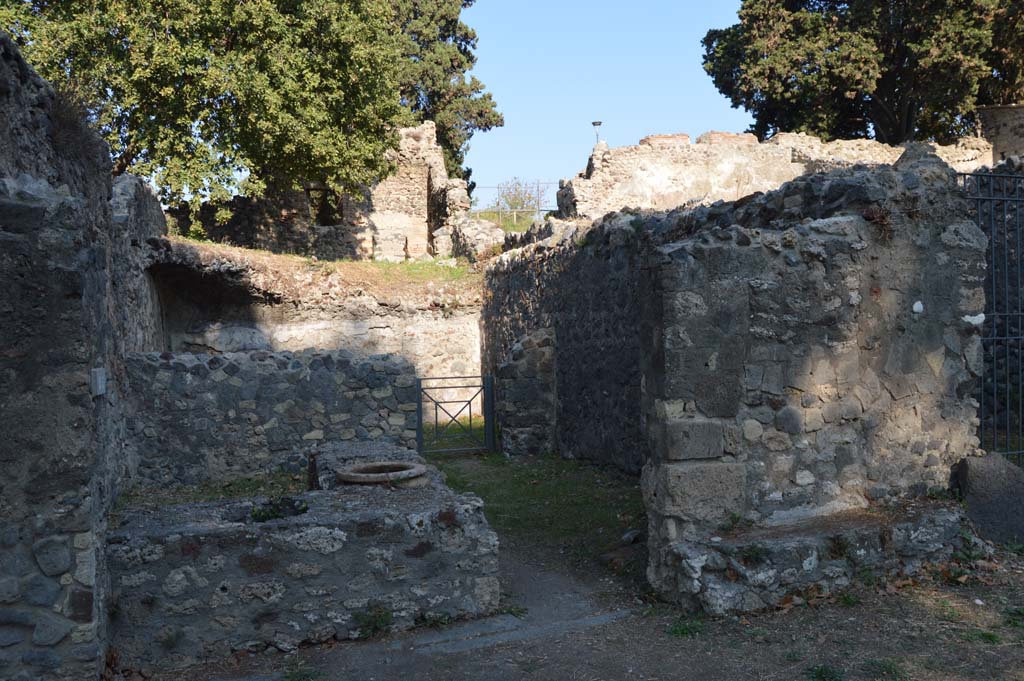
(575, 607)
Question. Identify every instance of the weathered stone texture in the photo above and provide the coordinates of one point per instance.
(805, 352)
(525, 399)
(201, 582)
(69, 270)
(1003, 126)
(581, 285)
(667, 171)
(217, 417)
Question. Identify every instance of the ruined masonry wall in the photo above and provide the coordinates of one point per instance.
(1004, 127)
(667, 171)
(69, 270)
(806, 353)
(219, 417)
(201, 582)
(579, 292)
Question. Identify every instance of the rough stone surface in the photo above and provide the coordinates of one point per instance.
(217, 417)
(219, 300)
(199, 582)
(394, 220)
(993, 489)
(1003, 126)
(839, 360)
(755, 570)
(579, 287)
(667, 171)
(525, 398)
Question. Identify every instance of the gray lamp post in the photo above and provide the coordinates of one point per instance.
(597, 130)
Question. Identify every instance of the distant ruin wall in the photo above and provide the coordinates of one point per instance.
(392, 221)
(667, 171)
(221, 417)
(806, 353)
(1003, 126)
(582, 288)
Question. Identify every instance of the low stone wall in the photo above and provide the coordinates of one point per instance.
(200, 582)
(809, 351)
(667, 171)
(578, 287)
(217, 417)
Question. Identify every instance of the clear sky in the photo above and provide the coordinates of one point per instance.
(554, 66)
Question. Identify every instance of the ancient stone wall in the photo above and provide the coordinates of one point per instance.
(581, 286)
(806, 352)
(219, 417)
(1003, 126)
(526, 404)
(201, 582)
(69, 273)
(667, 171)
(394, 220)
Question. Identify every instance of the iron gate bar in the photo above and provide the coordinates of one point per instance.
(1003, 327)
(453, 430)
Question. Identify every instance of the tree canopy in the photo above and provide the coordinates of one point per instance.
(240, 96)
(435, 81)
(896, 70)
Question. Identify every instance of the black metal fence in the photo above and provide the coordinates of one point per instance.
(998, 202)
(455, 414)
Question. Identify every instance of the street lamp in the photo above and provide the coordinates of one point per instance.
(597, 131)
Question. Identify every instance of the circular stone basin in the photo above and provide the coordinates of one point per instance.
(380, 473)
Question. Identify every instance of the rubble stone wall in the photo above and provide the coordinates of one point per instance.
(394, 220)
(218, 417)
(1003, 126)
(667, 171)
(579, 289)
(73, 296)
(201, 582)
(808, 352)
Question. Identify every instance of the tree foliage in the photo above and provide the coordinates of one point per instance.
(898, 70)
(435, 81)
(220, 96)
(517, 194)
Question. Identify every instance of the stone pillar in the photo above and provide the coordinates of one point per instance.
(525, 400)
(806, 353)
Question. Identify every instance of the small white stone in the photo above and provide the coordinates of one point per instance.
(918, 307)
(975, 320)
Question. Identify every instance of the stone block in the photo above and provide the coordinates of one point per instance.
(993, 488)
(699, 491)
(689, 438)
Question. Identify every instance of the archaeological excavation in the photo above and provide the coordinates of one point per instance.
(793, 349)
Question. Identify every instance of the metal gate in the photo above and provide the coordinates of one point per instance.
(998, 201)
(455, 414)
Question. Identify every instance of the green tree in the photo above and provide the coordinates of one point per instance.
(435, 80)
(221, 96)
(897, 70)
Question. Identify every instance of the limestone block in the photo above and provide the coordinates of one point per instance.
(700, 491)
(692, 438)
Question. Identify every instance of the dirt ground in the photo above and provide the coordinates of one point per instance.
(570, 614)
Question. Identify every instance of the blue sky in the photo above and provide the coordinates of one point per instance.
(555, 66)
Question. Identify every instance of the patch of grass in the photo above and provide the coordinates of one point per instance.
(1015, 617)
(867, 577)
(517, 611)
(848, 599)
(373, 622)
(793, 656)
(269, 485)
(983, 636)
(508, 221)
(548, 500)
(407, 272)
(885, 670)
(686, 627)
(753, 554)
(824, 672)
(735, 522)
(948, 612)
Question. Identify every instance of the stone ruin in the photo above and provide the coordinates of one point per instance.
(792, 373)
(416, 213)
(114, 376)
(789, 374)
(667, 171)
